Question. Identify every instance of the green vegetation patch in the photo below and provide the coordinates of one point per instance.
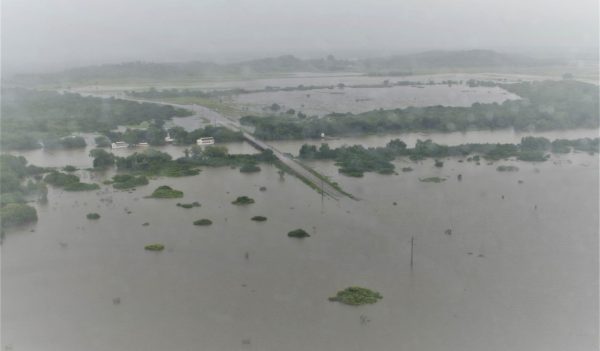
(249, 168)
(356, 296)
(432, 180)
(77, 186)
(243, 200)
(166, 192)
(298, 233)
(60, 179)
(16, 214)
(126, 181)
(203, 221)
(259, 218)
(69, 168)
(154, 247)
(92, 216)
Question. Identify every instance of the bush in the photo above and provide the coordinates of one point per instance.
(69, 168)
(243, 200)
(92, 216)
(166, 192)
(407, 169)
(356, 296)
(154, 247)
(259, 218)
(298, 233)
(439, 163)
(203, 221)
(15, 214)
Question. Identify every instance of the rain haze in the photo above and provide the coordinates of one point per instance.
(299, 175)
(54, 34)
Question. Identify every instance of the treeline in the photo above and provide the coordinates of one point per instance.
(153, 162)
(355, 160)
(155, 135)
(548, 105)
(30, 116)
(154, 93)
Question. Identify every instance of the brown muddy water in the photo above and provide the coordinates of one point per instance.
(518, 272)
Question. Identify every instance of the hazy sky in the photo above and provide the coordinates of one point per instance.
(50, 34)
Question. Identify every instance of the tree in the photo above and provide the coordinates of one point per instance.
(155, 135)
(102, 159)
(216, 151)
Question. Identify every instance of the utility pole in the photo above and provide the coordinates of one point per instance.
(412, 245)
(322, 198)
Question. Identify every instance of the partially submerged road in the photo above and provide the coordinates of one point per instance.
(296, 167)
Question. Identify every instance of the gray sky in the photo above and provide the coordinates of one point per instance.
(39, 35)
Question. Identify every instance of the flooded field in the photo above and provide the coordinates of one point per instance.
(356, 100)
(518, 271)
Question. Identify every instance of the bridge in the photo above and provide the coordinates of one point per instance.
(303, 172)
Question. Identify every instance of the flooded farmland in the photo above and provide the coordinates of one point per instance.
(242, 285)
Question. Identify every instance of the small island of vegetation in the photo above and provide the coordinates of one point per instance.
(432, 180)
(356, 296)
(298, 233)
(13, 214)
(504, 168)
(68, 182)
(243, 200)
(249, 168)
(154, 247)
(92, 216)
(166, 192)
(127, 181)
(259, 218)
(203, 221)
(188, 206)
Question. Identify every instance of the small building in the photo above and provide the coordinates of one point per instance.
(205, 141)
(119, 145)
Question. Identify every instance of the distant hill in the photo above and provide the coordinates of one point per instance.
(283, 64)
(451, 59)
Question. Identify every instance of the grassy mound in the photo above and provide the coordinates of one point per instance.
(356, 296)
(166, 192)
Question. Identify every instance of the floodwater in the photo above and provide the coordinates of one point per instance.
(356, 100)
(519, 271)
